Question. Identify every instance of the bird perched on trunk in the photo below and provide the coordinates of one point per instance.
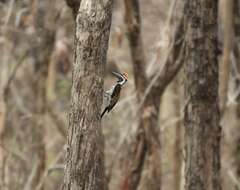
(113, 94)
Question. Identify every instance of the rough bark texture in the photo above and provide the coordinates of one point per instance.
(201, 117)
(144, 165)
(85, 157)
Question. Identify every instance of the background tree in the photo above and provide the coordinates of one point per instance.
(201, 117)
(30, 164)
(227, 47)
(177, 152)
(41, 54)
(236, 131)
(145, 147)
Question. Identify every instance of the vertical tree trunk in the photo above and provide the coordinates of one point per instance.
(85, 156)
(236, 138)
(133, 22)
(201, 117)
(3, 112)
(227, 47)
(146, 145)
(177, 153)
(143, 159)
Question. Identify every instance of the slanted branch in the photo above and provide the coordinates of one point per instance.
(144, 152)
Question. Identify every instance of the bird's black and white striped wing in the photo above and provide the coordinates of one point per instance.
(115, 96)
(107, 97)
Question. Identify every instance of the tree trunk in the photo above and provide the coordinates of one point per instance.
(133, 22)
(141, 149)
(143, 160)
(236, 50)
(201, 117)
(85, 156)
(3, 113)
(177, 153)
(227, 48)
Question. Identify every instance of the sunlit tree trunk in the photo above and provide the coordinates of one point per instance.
(227, 47)
(85, 154)
(202, 116)
(177, 149)
(3, 112)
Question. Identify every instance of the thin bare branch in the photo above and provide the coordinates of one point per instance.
(9, 13)
(52, 166)
(13, 153)
(13, 74)
(169, 68)
(58, 123)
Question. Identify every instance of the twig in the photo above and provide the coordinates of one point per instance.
(231, 175)
(13, 74)
(163, 73)
(55, 167)
(233, 178)
(59, 124)
(28, 185)
(49, 169)
(15, 154)
(10, 10)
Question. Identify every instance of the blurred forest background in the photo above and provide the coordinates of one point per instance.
(36, 56)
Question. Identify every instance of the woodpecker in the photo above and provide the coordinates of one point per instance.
(114, 93)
